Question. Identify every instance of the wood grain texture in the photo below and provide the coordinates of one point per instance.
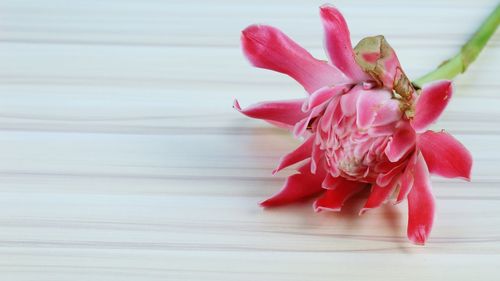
(122, 159)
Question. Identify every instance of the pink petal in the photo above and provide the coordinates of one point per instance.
(316, 158)
(333, 199)
(331, 182)
(349, 100)
(388, 113)
(322, 95)
(267, 47)
(367, 106)
(378, 195)
(298, 187)
(338, 43)
(385, 178)
(385, 130)
(401, 143)
(420, 205)
(300, 128)
(406, 180)
(431, 103)
(285, 113)
(444, 155)
(327, 116)
(300, 153)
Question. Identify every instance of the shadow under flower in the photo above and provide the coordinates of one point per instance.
(381, 228)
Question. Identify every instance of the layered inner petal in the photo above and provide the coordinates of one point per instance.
(317, 157)
(322, 95)
(402, 142)
(384, 178)
(406, 180)
(431, 103)
(300, 128)
(368, 104)
(388, 113)
(445, 156)
(349, 100)
(267, 47)
(420, 204)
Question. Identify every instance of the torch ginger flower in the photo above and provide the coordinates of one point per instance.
(364, 124)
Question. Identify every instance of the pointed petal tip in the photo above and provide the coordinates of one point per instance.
(253, 41)
(397, 201)
(419, 237)
(363, 211)
(252, 29)
(318, 209)
(329, 12)
(278, 168)
(431, 103)
(466, 178)
(445, 156)
(305, 106)
(236, 105)
(327, 7)
(268, 203)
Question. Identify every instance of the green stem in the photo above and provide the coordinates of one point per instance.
(469, 52)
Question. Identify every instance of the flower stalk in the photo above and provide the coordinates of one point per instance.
(468, 53)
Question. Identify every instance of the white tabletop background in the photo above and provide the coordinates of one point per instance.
(122, 159)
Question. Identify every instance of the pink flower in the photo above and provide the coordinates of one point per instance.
(363, 123)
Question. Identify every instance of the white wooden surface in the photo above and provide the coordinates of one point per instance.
(122, 159)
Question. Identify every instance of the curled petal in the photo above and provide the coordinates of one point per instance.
(316, 158)
(386, 130)
(298, 187)
(338, 43)
(402, 142)
(388, 113)
(406, 180)
(384, 178)
(431, 103)
(349, 100)
(267, 47)
(420, 204)
(300, 153)
(331, 182)
(328, 115)
(378, 195)
(300, 128)
(333, 199)
(444, 155)
(368, 105)
(322, 95)
(282, 113)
